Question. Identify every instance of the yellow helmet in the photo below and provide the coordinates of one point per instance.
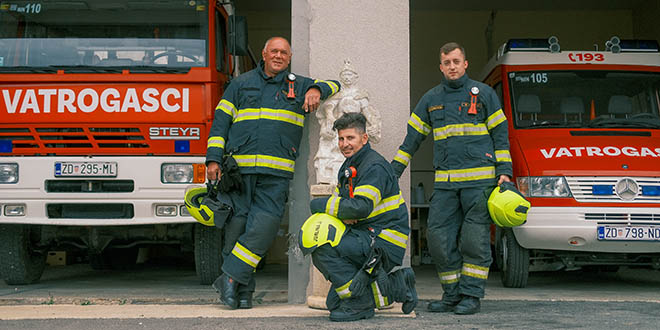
(208, 209)
(319, 229)
(507, 206)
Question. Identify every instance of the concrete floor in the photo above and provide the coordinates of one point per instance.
(169, 284)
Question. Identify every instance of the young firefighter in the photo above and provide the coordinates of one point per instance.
(470, 156)
(368, 209)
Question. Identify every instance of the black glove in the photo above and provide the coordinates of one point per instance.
(231, 176)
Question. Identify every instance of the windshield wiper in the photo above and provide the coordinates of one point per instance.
(27, 69)
(602, 122)
(547, 124)
(158, 69)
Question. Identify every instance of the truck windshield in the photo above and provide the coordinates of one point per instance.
(103, 33)
(589, 99)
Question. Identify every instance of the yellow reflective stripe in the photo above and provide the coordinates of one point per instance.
(495, 119)
(379, 299)
(245, 255)
(336, 192)
(449, 277)
(502, 156)
(216, 141)
(402, 157)
(283, 115)
(444, 132)
(330, 84)
(227, 107)
(343, 292)
(397, 238)
(368, 191)
(387, 204)
(270, 114)
(475, 271)
(441, 176)
(332, 205)
(469, 174)
(265, 161)
(419, 125)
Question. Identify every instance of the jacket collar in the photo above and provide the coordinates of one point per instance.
(277, 79)
(356, 159)
(458, 83)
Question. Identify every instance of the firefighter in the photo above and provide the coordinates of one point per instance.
(374, 223)
(470, 156)
(259, 123)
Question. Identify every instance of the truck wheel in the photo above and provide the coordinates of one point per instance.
(20, 263)
(208, 253)
(512, 258)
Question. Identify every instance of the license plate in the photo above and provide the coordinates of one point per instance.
(629, 233)
(86, 169)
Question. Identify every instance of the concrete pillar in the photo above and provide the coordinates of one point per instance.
(374, 35)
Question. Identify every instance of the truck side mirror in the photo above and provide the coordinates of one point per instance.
(238, 36)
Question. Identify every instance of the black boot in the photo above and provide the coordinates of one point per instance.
(346, 313)
(468, 305)
(227, 288)
(411, 300)
(245, 300)
(446, 305)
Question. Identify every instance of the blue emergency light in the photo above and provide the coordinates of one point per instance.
(6, 146)
(650, 190)
(639, 46)
(533, 44)
(602, 189)
(182, 146)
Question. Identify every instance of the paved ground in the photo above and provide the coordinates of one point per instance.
(166, 284)
(169, 297)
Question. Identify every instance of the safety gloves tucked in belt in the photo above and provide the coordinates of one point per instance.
(230, 179)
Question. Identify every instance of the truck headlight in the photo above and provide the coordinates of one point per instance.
(8, 172)
(543, 186)
(182, 173)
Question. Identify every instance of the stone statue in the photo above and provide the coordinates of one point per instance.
(328, 159)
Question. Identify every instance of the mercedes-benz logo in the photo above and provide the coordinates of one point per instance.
(626, 189)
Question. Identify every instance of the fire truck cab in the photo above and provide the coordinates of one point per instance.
(105, 108)
(584, 128)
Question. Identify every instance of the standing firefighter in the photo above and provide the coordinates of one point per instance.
(359, 234)
(259, 123)
(470, 156)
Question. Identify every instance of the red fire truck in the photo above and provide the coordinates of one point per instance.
(104, 112)
(585, 143)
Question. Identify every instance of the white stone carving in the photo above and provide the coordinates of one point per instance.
(328, 159)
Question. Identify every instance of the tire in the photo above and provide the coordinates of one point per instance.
(512, 259)
(19, 263)
(208, 253)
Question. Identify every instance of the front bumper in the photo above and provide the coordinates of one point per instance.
(575, 229)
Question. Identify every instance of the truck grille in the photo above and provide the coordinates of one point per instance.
(622, 217)
(90, 211)
(582, 189)
(56, 139)
(89, 186)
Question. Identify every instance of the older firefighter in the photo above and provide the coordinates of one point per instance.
(371, 237)
(259, 122)
(470, 156)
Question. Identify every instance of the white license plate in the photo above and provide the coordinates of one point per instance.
(629, 233)
(86, 169)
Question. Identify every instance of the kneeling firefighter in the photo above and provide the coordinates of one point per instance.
(359, 235)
